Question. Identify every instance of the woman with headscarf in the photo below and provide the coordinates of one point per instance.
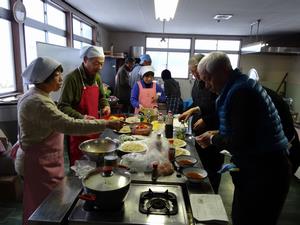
(146, 93)
(41, 129)
(172, 91)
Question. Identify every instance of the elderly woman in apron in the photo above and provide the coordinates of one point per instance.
(146, 93)
(41, 132)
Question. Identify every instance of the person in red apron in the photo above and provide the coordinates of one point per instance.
(146, 93)
(82, 95)
(42, 126)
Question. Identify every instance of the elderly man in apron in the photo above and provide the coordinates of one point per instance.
(42, 126)
(146, 93)
(83, 96)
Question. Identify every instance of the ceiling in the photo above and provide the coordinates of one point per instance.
(196, 16)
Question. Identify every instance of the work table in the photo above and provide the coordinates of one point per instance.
(57, 206)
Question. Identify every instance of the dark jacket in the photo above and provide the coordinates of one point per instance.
(288, 127)
(122, 87)
(205, 99)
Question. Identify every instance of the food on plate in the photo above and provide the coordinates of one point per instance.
(124, 138)
(156, 125)
(142, 128)
(185, 162)
(178, 143)
(194, 175)
(132, 119)
(133, 146)
(125, 129)
(181, 151)
(112, 117)
(165, 169)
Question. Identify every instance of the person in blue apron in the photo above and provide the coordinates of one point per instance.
(41, 129)
(83, 96)
(251, 130)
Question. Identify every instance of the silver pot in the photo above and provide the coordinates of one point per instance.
(106, 187)
(96, 149)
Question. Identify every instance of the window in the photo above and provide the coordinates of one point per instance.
(56, 17)
(171, 53)
(50, 26)
(82, 34)
(35, 10)
(7, 81)
(4, 4)
(32, 36)
(230, 47)
(57, 39)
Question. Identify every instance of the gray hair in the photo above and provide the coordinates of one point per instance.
(213, 62)
(195, 59)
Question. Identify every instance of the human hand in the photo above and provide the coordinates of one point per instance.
(185, 115)
(204, 139)
(106, 111)
(141, 107)
(87, 117)
(199, 125)
(114, 124)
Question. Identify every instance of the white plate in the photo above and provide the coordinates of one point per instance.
(178, 143)
(181, 151)
(133, 147)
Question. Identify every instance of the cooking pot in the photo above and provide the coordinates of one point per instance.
(96, 149)
(106, 187)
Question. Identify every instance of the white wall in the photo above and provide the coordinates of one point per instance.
(272, 68)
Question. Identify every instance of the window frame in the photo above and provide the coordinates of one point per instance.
(187, 50)
(17, 46)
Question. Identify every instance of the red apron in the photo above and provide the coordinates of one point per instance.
(146, 96)
(43, 171)
(88, 106)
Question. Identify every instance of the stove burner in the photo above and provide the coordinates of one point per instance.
(161, 203)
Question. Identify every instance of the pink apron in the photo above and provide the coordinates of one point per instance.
(43, 171)
(88, 106)
(145, 97)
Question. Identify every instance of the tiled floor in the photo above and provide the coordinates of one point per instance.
(290, 214)
(11, 213)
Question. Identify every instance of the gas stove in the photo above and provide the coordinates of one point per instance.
(155, 204)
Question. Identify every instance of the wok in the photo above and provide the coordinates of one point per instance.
(106, 187)
(96, 149)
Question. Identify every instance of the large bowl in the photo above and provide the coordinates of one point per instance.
(96, 149)
(185, 161)
(141, 128)
(194, 174)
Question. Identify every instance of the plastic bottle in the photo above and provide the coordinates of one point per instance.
(160, 118)
(169, 125)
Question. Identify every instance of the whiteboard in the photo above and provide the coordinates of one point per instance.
(68, 57)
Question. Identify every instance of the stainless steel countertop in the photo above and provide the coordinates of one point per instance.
(57, 206)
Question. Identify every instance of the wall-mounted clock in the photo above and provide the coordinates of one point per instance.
(19, 11)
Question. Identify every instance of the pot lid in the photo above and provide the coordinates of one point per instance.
(108, 180)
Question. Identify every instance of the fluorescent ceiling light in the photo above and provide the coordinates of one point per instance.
(254, 47)
(222, 16)
(165, 9)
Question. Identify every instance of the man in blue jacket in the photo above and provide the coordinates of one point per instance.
(250, 129)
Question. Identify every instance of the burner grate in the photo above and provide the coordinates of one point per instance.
(161, 203)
